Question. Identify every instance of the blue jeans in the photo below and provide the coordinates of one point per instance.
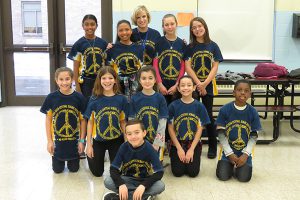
(132, 183)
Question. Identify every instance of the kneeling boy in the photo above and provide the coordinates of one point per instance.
(136, 171)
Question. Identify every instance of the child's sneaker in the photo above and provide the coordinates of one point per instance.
(111, 196)
(150, 197)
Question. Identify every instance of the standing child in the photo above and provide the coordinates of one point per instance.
(126, 58)
(136, 172)
(65, 126)
(202, 59)
(144, 35)
(150, 107)
(237, 127)
(106, 114)
(87, 54)
(187, 118)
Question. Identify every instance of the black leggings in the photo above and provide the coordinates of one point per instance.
(96, 164)
(58, 166)
(208, 101)
(179, 168)
(225, 170)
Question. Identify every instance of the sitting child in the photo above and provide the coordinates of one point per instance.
(136, 171)
(237, 127)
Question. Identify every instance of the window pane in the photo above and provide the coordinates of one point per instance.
(30, 25)
(75, 11)
(29, 19)
(35, 6)
(32, 75)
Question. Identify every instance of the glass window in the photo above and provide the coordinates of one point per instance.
(32, 21)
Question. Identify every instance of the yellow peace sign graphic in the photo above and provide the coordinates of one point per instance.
(131, 62)
(147, 60)
(170, 71)
(239, 143)
(186, 118)
(202, 72)
(149, 112)
(66, 130)
(94, 67)
(111, 132)
(136, 166)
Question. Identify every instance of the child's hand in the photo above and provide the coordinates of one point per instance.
(81, 147)
(156, 147)
(109, 46)
(50, 147)
(163, 90)
(138, 193)
(123, 192)
(181, 154)
(241, 160)
(189, 156)
(90, 151)
(172, 90)
(233, 159)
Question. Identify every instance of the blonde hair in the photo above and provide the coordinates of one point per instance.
(137, 11)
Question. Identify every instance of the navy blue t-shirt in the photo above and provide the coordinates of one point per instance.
(90, 54)
(150, 109)
(186, 118)
(147, 40)
(202, 56)
(125, 59)
(66, 112)
(169, 55)
(107, 112)
(238, 124)
(139, 162)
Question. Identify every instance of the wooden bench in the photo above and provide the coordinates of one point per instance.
(277, 112)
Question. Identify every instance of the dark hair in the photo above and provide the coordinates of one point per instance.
(118, 24)
(63, 69)
(146, 68)
(89, 16)
(98, 89)
(236, 84)
(193, 39)
(166, 16)
(178, 95)
(135, 121)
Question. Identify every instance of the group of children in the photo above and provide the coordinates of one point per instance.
(135, 89)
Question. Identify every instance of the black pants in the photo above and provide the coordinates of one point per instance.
(169, 99)
(208, 101)
(225, 170)
(58, 166)
(96, 164)
(179, 168)
(87, 87)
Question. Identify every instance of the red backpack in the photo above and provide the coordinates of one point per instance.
(269, 70)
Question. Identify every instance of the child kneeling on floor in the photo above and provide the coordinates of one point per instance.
(136, 171)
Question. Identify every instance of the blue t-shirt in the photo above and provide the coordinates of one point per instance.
(139, 162)
(238, 124)
(149, 109)
(202, 56)
(169, 55)
(90, 54)
(107, 112)
(147, 40)
(186, 118)
(125, 59)
(66, 112)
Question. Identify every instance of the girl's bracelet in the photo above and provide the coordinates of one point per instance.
(81, 141)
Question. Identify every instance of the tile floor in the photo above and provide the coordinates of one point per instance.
(26, 174)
